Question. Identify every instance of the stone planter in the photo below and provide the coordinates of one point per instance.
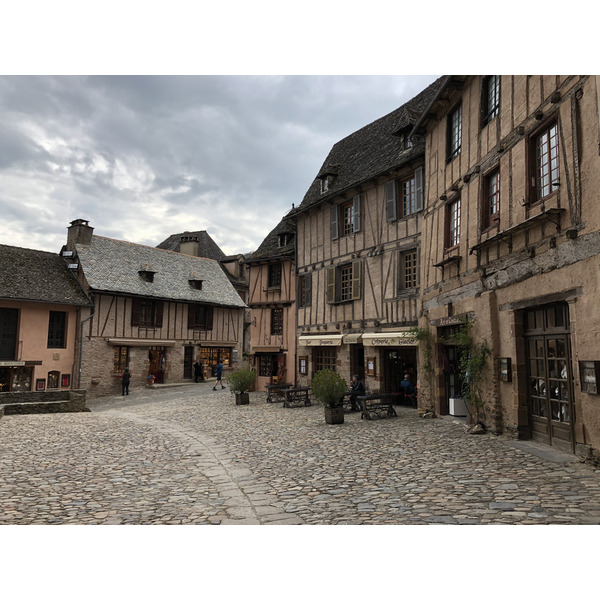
(334, 415)
(243, 398)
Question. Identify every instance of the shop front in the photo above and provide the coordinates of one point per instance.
(15, 376)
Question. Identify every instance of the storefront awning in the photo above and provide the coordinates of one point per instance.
(320, 340)
(140, 342)
(390, 338)
(351, 338)
(269, 349)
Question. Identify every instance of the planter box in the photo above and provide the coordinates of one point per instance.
(334, 416)
(242, 398)
(457, 407)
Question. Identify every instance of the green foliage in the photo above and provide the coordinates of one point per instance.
(329, 387)
(241, 381)
(473, 358)
(426, 340)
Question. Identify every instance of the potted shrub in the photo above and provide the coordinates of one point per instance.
(329, 388)
(240, 383)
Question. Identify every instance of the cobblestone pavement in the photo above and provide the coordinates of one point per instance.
(189, 455)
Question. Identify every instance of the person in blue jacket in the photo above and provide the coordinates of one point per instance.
(219, 374)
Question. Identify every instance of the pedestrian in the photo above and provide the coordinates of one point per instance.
(198, 371)
(357, 388)
(125, 380)
(407, 388)
(219, 374)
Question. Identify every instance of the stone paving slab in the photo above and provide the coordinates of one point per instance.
(189, 455)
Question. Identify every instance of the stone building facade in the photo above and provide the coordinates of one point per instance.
(358, 253)
(511, 224)
(272, 302)
(154, 311)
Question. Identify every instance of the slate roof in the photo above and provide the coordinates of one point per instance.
(113, 266)
(37, 276)
(270, 249)
(207, 247)
(372, 150)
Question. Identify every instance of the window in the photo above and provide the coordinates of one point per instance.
(324, 184)
(453, 223)
(324, 358)
(304, 290)
(277, 321)
(409, 269)
(53, 379)
(275, 275)
(344, 282)
(345, 218)
(490, 98)
(454, 133)
(196, 284)
(267, 365)
(490, 206)
(57, 326)
(146, 313)
(120, 358)
(303, 365)
(544, 150)
(200, 316)
(411, 192)
(9, 324)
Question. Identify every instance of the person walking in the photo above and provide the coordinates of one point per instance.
(407, 389)
(219, 374)
(198, 371)
(125, 380)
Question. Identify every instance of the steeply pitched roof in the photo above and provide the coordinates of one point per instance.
(270, 248)
(207, 247)
(38, 276)
(113, 266)
(371, 151)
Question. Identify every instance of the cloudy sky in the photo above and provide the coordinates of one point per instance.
(143, 157)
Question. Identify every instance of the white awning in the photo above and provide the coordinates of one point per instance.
(390, 338)
(352, 338)
(320, 340)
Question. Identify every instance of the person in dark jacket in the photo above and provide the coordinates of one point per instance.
(357, 388)
(198, 371)
(219, 374)
(125, 380)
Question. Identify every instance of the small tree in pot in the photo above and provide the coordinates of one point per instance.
(240, 383)
(329, 389)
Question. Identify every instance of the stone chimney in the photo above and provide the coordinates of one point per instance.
(79, 233)
(188, 244)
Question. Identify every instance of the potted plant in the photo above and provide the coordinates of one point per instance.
(240, 383)
(329, 388)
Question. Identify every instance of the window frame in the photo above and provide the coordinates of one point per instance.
(304, 290)
(454, 133)
(200, 316)
(324, 357)
(57, 331)
(274, 276)
(152, 314)
(333, 282)
(490, 219)
(452, 235)
(415, 276)
(336, 218)
(534, 168)
(277, 321)
(394, 197)
(120, 358)
(488, 114)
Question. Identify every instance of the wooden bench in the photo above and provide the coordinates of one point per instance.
(297, 397)
(379, 405)
(275, 391)
(350, 402)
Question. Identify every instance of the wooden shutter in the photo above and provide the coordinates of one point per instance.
(135, 312)
(419, 191)
(391, 209)
(356, 279)
(330, 283)
(191, 316)
(158, 313)
(308, 289)
(356, 213)
(209, 317)
(333, 211)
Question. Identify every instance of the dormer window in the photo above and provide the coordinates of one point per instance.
(285, 239)
(146, 272)
(327, 176)
(196, 284)
(325, 184)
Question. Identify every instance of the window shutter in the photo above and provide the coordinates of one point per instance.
(135, 312)
(209, 317)
(419, 191)
(391, 210)
(356, 279)
(330, 292)
(308, 289)
(356, 213)
(419, 266)
(158, 314)
(191, 316)
(333, 211)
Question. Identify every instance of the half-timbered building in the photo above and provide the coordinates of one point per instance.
(154, 311)
(358, 253)
(272, 302)
(511, 224)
